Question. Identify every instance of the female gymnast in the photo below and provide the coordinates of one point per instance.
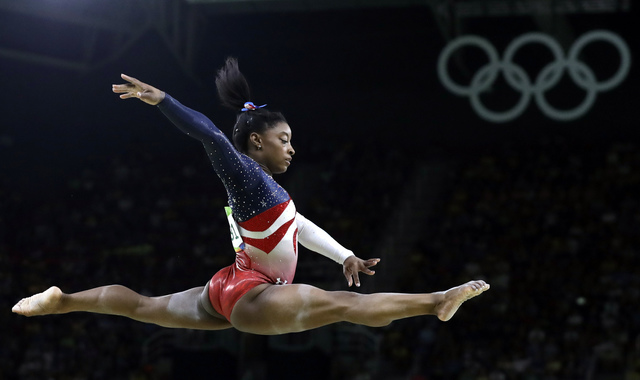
(255, 294)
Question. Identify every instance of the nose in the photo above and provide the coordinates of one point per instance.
(291, 150)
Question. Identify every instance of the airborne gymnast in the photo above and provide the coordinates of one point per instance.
(255, 293)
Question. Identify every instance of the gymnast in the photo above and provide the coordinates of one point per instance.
(256, 293)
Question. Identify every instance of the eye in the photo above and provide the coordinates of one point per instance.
(284, 141)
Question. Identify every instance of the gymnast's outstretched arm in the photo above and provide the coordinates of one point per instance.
(189, 121)
(223, 155)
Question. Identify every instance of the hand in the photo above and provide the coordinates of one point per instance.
(137, 89)
(354, 265)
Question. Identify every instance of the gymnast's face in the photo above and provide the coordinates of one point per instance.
(275, 150)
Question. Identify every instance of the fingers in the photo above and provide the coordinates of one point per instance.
(352, 277)
(368, 264)
(368, 271)
(120, 88)
(128, 90)
(356, 278)
(131, 80)
(129, 95)
(133, 88)
(371, 262)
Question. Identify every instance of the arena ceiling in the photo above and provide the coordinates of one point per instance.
(97, 32)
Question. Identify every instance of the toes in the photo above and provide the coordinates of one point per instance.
(17, 308)
(479, 285)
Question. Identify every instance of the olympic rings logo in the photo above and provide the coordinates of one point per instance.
(547, 78)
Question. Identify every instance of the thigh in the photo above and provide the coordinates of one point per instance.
(277, 309)
(181, 310)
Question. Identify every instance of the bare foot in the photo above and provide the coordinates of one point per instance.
(39, 304)
(454, 297)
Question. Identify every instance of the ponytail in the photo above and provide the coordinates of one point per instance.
(234, 93)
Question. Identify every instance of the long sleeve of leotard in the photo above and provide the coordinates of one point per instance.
(228, 163)
(316, 239)
(191, 122)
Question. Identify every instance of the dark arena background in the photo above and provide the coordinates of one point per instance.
(491, 139)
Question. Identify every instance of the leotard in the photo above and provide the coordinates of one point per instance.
(265, 213)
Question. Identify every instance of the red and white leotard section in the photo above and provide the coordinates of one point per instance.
(271, 243)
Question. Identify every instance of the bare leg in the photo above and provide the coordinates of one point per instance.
(278, 309)
(178, 310)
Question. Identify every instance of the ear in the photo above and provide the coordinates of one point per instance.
(255, 140)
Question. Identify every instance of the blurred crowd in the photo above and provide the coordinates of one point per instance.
(551, 225)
